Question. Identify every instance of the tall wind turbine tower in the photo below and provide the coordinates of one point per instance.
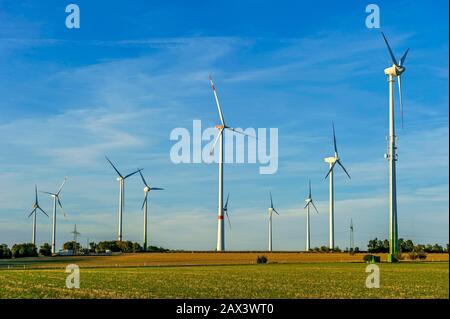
(394, 71)
(56, 200)
(121, 179)
(147, 190)
(309, 202)
(332, 162)
(36, 207)
(271, 211)
(219, 139)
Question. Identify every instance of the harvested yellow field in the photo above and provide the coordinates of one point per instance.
(192, 258)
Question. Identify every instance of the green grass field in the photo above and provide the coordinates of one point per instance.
(301, 280)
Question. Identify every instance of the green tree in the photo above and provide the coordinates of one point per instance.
(24, 250)
(5, 252)
(372, 247)
(437, 248)
(409, 245)
(71, 245)
(137, 248)
(45, 250)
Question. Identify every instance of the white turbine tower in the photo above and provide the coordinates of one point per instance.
(36, 207)
(309, 202)
(271, 211)
(121, 179)
(56, 199)
(219, 139)
(395, 71)
(332, 161)
(147, 189)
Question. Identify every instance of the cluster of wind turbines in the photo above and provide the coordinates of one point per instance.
(394, 71)
(57, 201)
(37, 208)
(309, 201)
(121, 179)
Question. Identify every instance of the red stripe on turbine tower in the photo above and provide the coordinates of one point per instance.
(220, 217)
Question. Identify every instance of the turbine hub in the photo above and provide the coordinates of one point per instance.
(146, 189)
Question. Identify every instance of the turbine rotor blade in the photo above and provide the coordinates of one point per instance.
(145, 200)
(309, 188)
(117, 171)
(217, 101)
(239, 132)
(62, 209)
(216, 140)
(226, 203)
(340, 164)
(275, 211)
(53, 194)
(35, 190)
(400, 96)
(390, 50)
(32, 212)
(402, 59)
(60, 188)
(228, 217)
(42, 211)
(271, 202)
(312, 203)
(131, 174)
(156, 189)
(334, 140)
(143, 179)
(306, 205)
(331, 168)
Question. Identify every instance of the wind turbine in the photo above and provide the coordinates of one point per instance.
(271, 210)
(396, 70)
(147, 189)
(121, 179)
(56, 199)
(332, 161)
(219, 139)
(36, 207)
(309, 202)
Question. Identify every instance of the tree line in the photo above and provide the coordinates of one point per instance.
(405, 246)
(30, 250)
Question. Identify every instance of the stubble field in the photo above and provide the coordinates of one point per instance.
(228, 275)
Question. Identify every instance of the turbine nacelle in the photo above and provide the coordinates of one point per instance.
(394, 70)
(331, 159)
(146, 189)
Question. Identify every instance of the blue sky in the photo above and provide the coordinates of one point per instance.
(133, 72)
